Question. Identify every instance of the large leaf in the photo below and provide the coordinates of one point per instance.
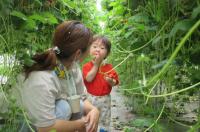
(113, 4)
(195, 12)
(119, 10)
(71, 4)
(38, 17)
(30, 25)
(68, 3)
(19, 15)
(140, 17)
(140, 26)
(183, 25)
(38, 2)
(195, 74)
(51, 19)
(141, 123)
(194, 55)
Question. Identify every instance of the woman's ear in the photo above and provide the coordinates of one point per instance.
(78, 54)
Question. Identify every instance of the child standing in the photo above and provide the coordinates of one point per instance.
(99, 77)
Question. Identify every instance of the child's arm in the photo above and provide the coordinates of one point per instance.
(92, 73)
(112, 77)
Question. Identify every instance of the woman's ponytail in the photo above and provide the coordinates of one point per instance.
(43, 61)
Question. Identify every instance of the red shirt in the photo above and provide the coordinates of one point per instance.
(99, 86)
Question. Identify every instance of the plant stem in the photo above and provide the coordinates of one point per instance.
(174, 54)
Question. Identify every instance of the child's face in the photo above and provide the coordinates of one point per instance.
(98, 48)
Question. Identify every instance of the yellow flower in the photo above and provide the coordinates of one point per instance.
(62, 74)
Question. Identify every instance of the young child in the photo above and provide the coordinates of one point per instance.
(99, 77)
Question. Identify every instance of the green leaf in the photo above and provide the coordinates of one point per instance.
(28, 62)
(38, 2)
(152, 28)
(27, 59)
(143, 58)
(71, 4)
(140, 26)
(64, 11)
(38, 17)
(30, 25)
(119, 10)
(51, 19)
(195, 74)
(183, 25)
(128, 34)
(195, 12)
(19, 15)
(113, 4)
(141, 123)
(140, 17)
(68, 3)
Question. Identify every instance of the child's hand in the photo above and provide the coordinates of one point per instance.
(110, 80)
(97, 59)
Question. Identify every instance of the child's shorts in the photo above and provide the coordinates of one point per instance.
(103, 103)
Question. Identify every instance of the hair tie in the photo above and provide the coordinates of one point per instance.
(56, 50)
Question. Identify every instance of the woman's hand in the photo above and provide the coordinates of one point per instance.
(92, 119)
(83, 124)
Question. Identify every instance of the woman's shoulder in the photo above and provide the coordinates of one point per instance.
(45, 80)
(41, 75)
(47, 73)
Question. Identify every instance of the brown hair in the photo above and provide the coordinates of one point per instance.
(69, 36)
(105, 41)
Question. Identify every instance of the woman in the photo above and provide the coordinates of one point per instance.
(54, 79)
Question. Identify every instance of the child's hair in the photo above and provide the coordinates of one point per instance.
(69, 36)
(104, 41)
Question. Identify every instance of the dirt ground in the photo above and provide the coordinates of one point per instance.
(120, 114)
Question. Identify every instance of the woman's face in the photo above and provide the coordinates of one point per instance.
(98, 48)
(83, 55)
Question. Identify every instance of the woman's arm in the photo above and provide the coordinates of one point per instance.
(91, 120)
(88, 107)
(92, 116)
(65, 126)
